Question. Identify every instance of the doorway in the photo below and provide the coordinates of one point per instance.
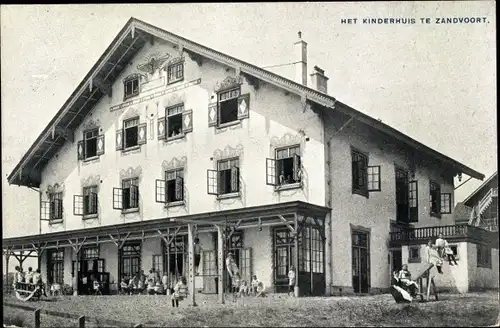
(396, 260)
(402, 199)
(360, 261)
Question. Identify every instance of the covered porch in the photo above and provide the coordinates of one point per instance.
(266, 241)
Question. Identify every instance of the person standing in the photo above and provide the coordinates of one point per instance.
(440, 244)
(29, 275)
(291, 280)
(197, 255)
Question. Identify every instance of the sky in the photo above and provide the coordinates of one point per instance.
(433, 82)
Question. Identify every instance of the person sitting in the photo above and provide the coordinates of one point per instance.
(180, 292)
(37, 280)
(433, 257)
(440, 244)
(164, 282)
(29, 275)
(124, 287)
(261, 289)
(133, 285)
(254, 284)
(158, 288)
(244, 289)
(96, 285)
(449, 253)
(405, 278)
(151, 283)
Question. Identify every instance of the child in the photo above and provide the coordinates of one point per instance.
(37, 279)
(253, 286)
(29, 275)
(449, 253)
(235, 287)
(180, 292)
(158, 289)
(433, 256)
(405, 278)
(291, 280)
(261, 289)
(164, 281)
(440, 244)
(244, 291)
(124, 286)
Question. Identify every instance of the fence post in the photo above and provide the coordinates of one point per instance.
(81, 322)
(37, 318)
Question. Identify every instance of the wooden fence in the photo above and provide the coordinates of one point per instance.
(81, 318)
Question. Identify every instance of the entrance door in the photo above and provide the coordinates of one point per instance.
(360, 262)
(284, 258)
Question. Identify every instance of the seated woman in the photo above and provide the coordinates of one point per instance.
(151, 287)
(180, 292)
(133, 284)
(398, 290)
(261, 289)
(405, 279)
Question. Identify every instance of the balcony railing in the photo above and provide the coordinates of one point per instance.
(457, 232)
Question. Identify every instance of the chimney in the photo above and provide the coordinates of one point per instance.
(319, 80)
(300, 61)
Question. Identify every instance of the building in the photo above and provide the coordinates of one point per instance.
(164, 137)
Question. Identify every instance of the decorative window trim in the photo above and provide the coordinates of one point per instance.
(230, 82)
(271, 164)
(82, 145)
(242, 103)
(214, 184)
(120, 136)
(414, 259)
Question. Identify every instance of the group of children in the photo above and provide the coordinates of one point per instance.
(434, 255)
(30, 277)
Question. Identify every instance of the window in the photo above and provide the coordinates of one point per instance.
(228, 106)
(413, 200)
(284, 257)
(90, 200)
(435, 198)
(132, 135)
(158, 264)
(224, 180)
(130, 129)
(414, 254)
(130, 260)
(402, 195)
(454, 249)
(131, 87)
(56, 206)
(373, 178)
(175, 72)
(174, 120)
(55, 266)
(483, 256)
(286, 168)
(90, 138)
(446, 203)
(175, 184)
(359, 173)
(126, 197)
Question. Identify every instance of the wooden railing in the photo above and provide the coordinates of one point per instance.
(81, 319)
(457, 232)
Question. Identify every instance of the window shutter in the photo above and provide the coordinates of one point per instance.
(134, 196)
(80, 150)
(235, 179)
(243, 106)
(141, 134)
(179, 188)
(296, 168)
(100, 145)
(212, 182)
(271, 172)
(187, 121)
(59, 203)
(119, 139)
(117, 198)
(78, 205)
(162, 132)
(221, 183)
(212, 114)
(93, 203)
(45, 211)
(161, 187)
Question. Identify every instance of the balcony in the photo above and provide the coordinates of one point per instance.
(452, 233)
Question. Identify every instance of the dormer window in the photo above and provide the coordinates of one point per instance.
(175, 71)
(131, 87)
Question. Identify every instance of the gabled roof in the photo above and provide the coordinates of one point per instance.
(484, 184)
(126, 44)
